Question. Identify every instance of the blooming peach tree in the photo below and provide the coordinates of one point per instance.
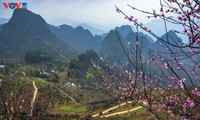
(178, 65)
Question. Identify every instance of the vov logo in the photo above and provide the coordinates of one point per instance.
(18, 5)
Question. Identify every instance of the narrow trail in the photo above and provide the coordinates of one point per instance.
(117, 113)
(123, 112)
(72, 99)
(34, 97)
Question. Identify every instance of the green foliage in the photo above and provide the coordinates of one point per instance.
(79, 66)
(73, 109)
(56, 104)
(90, 74)
(37, 57)
(42, 73)
(53, 77)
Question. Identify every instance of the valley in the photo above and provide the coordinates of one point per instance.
(45, 99)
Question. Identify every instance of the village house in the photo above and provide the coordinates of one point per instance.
(2, 68)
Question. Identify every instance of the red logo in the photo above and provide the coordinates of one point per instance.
(18, 5)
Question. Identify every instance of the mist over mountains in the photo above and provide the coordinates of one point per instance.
(158, 27)
(79, 38)
(93, 30)
(27, 31)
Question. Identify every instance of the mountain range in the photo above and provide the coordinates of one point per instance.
(79, 38)
(93, 30)
(27, 31)
(157, 27)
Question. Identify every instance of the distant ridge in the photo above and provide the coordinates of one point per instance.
(27, 31)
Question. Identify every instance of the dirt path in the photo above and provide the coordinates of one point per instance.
(123, 112)
(60, 91)
(117, 113)
(34, 97)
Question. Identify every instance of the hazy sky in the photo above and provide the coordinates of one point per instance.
(100, 13)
